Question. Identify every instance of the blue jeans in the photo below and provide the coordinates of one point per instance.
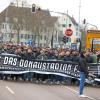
(82, 82)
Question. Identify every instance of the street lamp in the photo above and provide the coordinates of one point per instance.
(66, 14)
(79, 34)
(86, 24)
(92, 25)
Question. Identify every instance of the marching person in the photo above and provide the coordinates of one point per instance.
(83, 68)
(42, 55)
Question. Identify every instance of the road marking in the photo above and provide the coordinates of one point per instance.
(10, 90)
(76, 92)
(90, 98)
(1, 80)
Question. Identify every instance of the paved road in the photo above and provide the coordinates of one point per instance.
(30, 91)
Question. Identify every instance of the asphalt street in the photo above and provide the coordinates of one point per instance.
(30, 91)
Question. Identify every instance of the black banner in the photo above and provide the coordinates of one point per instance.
(12, 64)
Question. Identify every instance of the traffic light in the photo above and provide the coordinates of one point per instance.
(84, 21)
(67, 39)
(33, 8)
(64, 39)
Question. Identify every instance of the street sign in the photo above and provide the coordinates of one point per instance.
(96, 41)
(74, 46)
(29, 42)
(68, 32)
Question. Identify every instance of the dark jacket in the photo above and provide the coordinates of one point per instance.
(98, 58)
(42, 57)
(67, 58)
(89, 59)
(51, 56)
(9, 51)
(30, 56)
(75, 58)
(83, 67)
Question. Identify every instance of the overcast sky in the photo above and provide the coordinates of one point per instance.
(89, 8)
(4, 4)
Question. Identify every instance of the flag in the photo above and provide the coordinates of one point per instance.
(4, 4)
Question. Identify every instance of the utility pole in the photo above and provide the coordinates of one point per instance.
(79, 34)
(18, 29)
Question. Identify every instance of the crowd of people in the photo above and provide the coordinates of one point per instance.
(49, 53)
(28, 52)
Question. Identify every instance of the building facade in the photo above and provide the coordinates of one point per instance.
(20, 25)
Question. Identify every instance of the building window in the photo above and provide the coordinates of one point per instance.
(15, 19)
(21, 36)
(41, 30)
(45, 30)
(3, 26)
(30, 36)
(63, 25)
(7, 19)
(8, 35)
(77, 28)
(12, 35)
(64, 19)
(61, 32)
(56, 31)
(26, 36)
(45, 37)
(76, 33)
(10, 27)
(40, 37)
(70, 25)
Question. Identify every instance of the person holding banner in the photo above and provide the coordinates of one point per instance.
(83, 68)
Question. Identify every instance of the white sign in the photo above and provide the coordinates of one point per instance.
(96, 41)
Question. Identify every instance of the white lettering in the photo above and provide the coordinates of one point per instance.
(26, 63)
(44, 66)
(57, 66)
(10, 61)
(21, 63)
(35, 65)
(5, 60)
(52, 66)
(15, 61)
(30, 64)
(65, 67)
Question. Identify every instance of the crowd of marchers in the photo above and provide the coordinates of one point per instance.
(38, 53)
(47, 53)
